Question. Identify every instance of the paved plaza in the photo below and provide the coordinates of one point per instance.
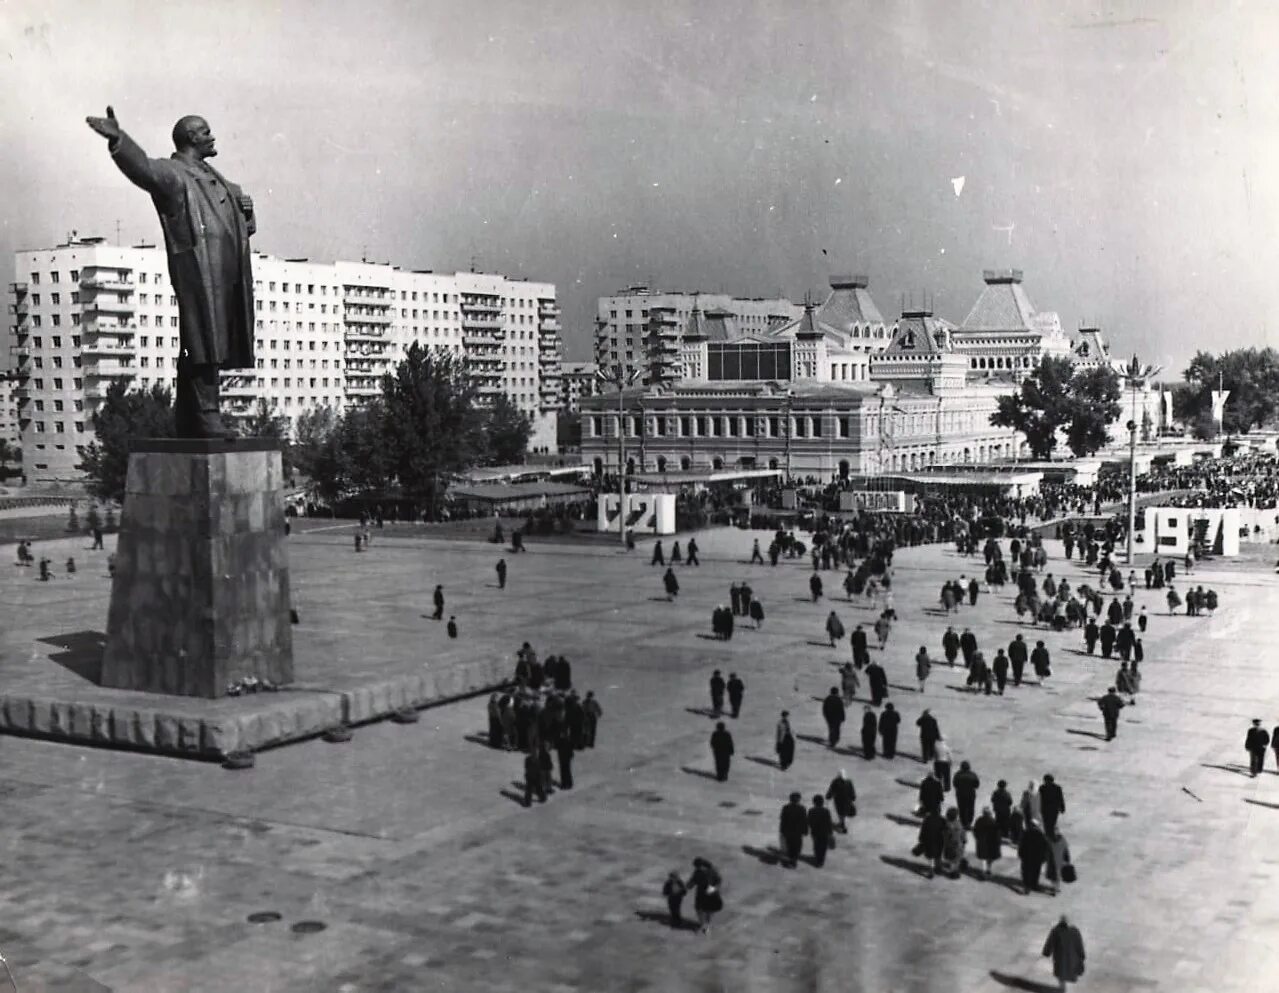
(403, 859)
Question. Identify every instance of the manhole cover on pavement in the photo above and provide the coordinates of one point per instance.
(308, 927)
(264, 917)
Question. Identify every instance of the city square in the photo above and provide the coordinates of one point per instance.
(410, 844)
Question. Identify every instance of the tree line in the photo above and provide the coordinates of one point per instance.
(425, 427)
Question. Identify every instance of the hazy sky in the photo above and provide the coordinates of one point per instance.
(1125, 156)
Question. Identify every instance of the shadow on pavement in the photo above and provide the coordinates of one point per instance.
(1008, 882)
(761, 760)
(661, 917)
(904, 821)
(1018, 983)
(1087, 734)
(769, 856)
(1231, 767)
(81, 653)
(512, 795)
(689, 770)
(918, 868)
(1261, 803)
(703, 712)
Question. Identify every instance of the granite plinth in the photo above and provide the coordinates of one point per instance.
(213, 729)
(200, 597)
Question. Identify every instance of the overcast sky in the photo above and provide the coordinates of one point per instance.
(1125, 156)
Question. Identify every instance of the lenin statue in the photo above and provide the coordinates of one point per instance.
(207, 222)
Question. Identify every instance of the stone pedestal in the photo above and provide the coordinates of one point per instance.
(200, 597)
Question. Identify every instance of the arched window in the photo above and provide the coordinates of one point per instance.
(772, 463)
(661, 463)
(717, 463)
(599, 466)
(630, 467)
(685, 463)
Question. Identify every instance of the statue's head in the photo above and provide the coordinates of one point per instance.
(193, 132)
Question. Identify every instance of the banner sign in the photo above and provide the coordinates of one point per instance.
(891, 500)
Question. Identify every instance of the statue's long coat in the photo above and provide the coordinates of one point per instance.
(207, 239)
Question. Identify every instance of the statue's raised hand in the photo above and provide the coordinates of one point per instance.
(107, 126)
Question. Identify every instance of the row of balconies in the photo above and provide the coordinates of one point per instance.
(368, 295)
(365, 334)
(364, 315)
(107, 280)
(18, 289)
(486, 305)
(481, 323)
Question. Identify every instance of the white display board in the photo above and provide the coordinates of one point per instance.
(1174, 529)
(894, 500)
(646, 513)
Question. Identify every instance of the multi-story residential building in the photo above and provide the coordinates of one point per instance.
(578, 381)
(86, 314)
(643, 327)
(9, 431)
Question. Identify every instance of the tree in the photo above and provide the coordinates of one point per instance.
(1040, 407)
(1094, 406)
(506, 432)
(122, 415)
(266, 421)
(1055, 399)
(433, 426)
(1250, 374)
(353, 456)
(311, 433)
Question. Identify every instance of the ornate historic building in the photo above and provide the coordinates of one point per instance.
(1003, 335)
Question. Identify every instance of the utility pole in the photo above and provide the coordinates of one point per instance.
(1138, 375)
(621, 379)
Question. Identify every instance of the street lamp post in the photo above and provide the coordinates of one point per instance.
(1137, 375)
(620, 378)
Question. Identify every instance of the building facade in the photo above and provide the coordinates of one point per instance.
(86, 313)
(577, 380)
(9, 431)
(643, 327)
(1003, 335)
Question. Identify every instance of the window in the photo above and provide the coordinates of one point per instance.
(53, 277)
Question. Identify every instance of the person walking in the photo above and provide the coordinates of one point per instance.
(941, 763)
(929, 733)
(736, 690)
(953, 845)
(722, 750)
(821, 830)
(1017, 655)
(1052, 803)
(564, 752)
(1000, 668)
(1091, 634)
(1001, 802)
(670, 583)
(930, 794)
(591, 714)
(843, 797)
(861, 647)
(848, 683)
(834, 628)
(1041, 662)
(877, 679)
(451, 627)
(438, 598)
(691, 558)
(923, 666)
(793, 826)
(1110, 705)
(718, 687)
(658, 557)
(815, 586)
(870, 727)
(784, 742)
(1065, 946)
(1142, 621)
(1256, 742)
(966, 785)
(533, 782)
(674, 890)
(757, 613)
(501, 574)
(950, 645)
(834, 715)
(889, 722)
(705, 882)
(932, 841)
(986, 836)
(1032, 851)
(1059, 868)
(756, 556)
(968, 646)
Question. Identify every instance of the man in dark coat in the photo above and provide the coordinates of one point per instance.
(815, 586)
(950, 645)
(877, 679)
(1040, 661)
(1110, 705)
(575, 720)
(1091, 634)
(987, 836)
(207, 223)
(784, 742)
(861, 647)
(842, 795)
(1000, 667)
(1256, 742)
(932, 841)
(438, 597)
(722, 750)
(1065, 946)
(1052, 804)
(670, 583)
(889, 722)
(1115, 613)
(793, 825)
(931, 794)
(1107, 634)
(592, 712)
(973, 589)
(692, 553)
(533, 783)
(1032, 851)
(820, 829)
(1124, 641)
(870, 727)
(1017, 655)
(717, 692)
(501, 574)
(736, 689)
(929, 733)
(564, 751)
(658, 557)
(966, 785)
(833, 713)
(451, 627)
(968, 645)
(1001, 802)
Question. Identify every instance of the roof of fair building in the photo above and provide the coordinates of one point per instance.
(1002, 306)
(809, 325)
(849, 304)
(920, 333)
